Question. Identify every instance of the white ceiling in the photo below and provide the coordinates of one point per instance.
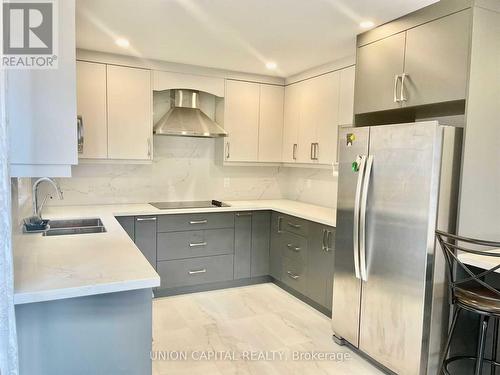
(239, 35)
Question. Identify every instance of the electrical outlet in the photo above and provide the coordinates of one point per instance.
(227, 182)
(308, 183)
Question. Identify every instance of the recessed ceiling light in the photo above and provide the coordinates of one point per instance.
(122, 42)
(271, 65)
(366, 24)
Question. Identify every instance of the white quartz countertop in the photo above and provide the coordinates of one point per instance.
(480, 261)
(57, 267)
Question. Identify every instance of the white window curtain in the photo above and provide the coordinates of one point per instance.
(8, 340)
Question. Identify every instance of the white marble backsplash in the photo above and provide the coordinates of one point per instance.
(186, 169)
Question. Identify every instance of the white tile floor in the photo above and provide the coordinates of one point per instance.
(234, 324)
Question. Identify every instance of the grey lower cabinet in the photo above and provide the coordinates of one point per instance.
(251, 244)
(320, 262)
(145, 237)
(128, 223)
(142, 230)
(211, 250)
(301, 257)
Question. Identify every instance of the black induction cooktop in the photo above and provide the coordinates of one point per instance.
(188, 204)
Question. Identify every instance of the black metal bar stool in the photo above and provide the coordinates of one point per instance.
(470, 292)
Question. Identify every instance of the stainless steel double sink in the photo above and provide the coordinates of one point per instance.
(74, 226)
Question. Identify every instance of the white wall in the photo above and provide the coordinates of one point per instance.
(185, 169)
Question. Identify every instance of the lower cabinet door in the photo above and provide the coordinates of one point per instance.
(320, 265)
(261, 227)
(242, 244)
(294, 274)
(145, 237)
(186, 272)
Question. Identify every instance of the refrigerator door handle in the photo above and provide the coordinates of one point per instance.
(357, 204)
(362, 220)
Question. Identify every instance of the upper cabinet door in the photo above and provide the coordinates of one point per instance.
(346, 96)
(129, 113)
(241, 121)
(310, 108)
(291, 122)
(437, 60)
(378, 65)
(41, 109)
(327, 118)
(271, 123)
(91, 106)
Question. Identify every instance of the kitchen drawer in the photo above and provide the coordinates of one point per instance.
(294, 247)
(185, 272)
(192, 244)
(184, 222)
(294, 274)
(294, 225)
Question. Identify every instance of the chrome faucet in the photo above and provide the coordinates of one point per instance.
(37, 210)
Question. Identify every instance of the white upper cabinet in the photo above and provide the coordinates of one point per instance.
(130, 124)
(327, 118)
(291, 123)
(271, 123)
(346, 96)
(41, 109)
(91, 108)
(241, 121)
(314, 109)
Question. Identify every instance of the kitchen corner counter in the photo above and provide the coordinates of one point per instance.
(58, 267)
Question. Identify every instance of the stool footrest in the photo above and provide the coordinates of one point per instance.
(469, 358)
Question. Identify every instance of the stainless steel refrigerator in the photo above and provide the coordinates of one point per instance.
(397, 183)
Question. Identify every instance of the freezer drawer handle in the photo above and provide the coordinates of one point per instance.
(296, 226)
(204, 270)
(195, 222)
(197, 244)
(294, 248)
(362, 220)
(292, 275)
(357, 204)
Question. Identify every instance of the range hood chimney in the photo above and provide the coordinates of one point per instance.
(186, 119)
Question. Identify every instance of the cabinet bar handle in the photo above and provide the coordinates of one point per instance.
(325, 236)
(240, 214)
(149, 147)
(314, 151)
(194, 222)
(329, 242)
(80, 133)
(294, 151)
(292, 275)
(204, 270)
(280, 221)
(402, 97)
(395, 88)
(296, 226)
(294, 248)
(228, 150)
(197, 244)
(146, 219)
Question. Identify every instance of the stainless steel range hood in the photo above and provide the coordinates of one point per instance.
(186, 119)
